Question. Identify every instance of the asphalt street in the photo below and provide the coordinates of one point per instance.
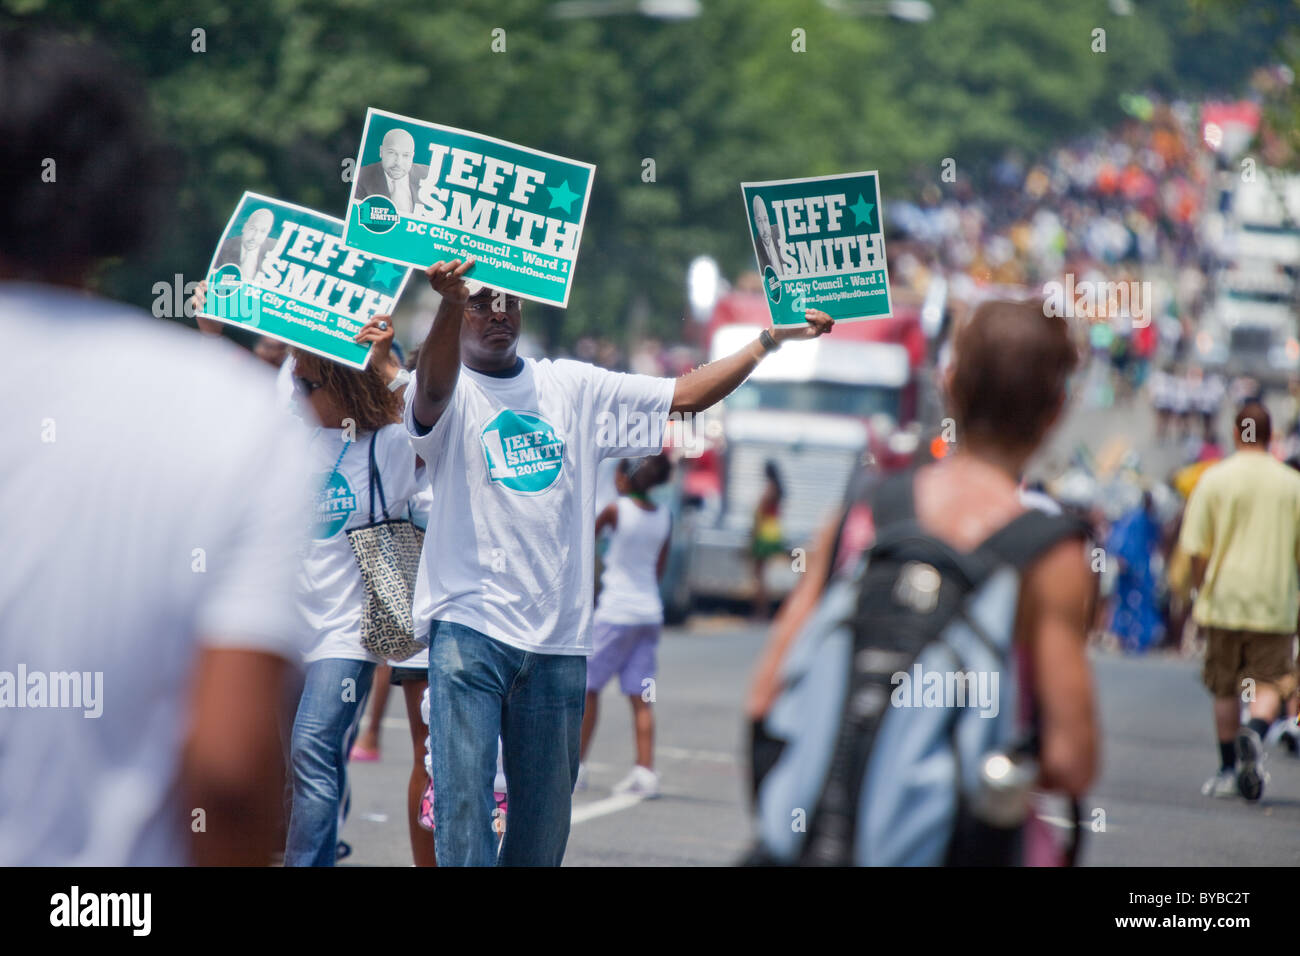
(1158, 746)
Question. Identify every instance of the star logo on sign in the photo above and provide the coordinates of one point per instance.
(562, 197)
(862, 211)
(384, 273)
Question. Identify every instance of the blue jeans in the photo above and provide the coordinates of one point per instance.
(328, 714)
(478, 689)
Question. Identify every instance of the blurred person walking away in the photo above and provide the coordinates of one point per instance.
(766, 539)
(1241, 529)
(835, 687)
(512, 447)
(1131, 544)
(155, 511)
(630, 613)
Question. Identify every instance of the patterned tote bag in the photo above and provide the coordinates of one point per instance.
(388, 553)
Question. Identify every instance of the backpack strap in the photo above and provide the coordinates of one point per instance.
(1027, 537)
(892, 502)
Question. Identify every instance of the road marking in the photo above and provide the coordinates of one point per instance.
(601, 808)
(1065, 824)
(671, 753)
(708, 756)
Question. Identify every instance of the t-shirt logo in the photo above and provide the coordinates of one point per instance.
(334, 505)
(523, 452)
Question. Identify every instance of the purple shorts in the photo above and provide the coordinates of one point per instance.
(624, 649)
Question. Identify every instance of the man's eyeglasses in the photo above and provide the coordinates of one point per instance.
(305, 386)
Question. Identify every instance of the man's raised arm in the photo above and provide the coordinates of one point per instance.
(709, 384)
(439, 361)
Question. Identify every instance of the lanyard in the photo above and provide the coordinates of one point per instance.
(339, 461)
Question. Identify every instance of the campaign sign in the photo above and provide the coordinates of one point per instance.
(424, 193)
(283, 271)
(820, 244)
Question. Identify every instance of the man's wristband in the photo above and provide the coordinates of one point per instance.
(766, 340)
(400, 380)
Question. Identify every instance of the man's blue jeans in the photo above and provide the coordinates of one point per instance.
(328, 714)
(479, 688)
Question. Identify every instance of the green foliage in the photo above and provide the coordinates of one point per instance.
(276, 104)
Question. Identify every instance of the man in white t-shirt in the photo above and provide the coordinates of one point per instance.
(152, 508)
(504, 591)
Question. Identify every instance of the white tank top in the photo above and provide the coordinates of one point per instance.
(629, 587)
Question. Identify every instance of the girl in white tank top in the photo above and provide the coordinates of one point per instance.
(629, 613)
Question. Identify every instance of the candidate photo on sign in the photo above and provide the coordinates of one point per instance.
(396, 175)
(765, 241)
(249, 248)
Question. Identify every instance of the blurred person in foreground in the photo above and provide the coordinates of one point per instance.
(1006, 387)
(147, 628)
(1241, 530)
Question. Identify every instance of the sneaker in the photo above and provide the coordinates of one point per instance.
(1285, 735)
(581, 783)
(642, 781)
(1250, 756)
(362, 754)
(425, 819)
(1291, 739)
(1222, 784)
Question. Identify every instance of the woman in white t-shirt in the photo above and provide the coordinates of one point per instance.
(356, 409)
(629, 612)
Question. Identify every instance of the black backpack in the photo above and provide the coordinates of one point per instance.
(841, 777)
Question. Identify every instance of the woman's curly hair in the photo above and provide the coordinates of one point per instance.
(362, 396)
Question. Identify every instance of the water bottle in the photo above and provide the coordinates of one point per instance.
(1006, 780)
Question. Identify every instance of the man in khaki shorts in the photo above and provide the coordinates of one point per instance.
(1242, 531)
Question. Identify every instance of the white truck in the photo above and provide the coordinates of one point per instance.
(814, 409)
(1250, 326)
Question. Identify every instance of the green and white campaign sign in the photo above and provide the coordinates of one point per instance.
(424, 193)
(283, 271)
(820, 244)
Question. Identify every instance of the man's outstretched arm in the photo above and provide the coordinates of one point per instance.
(439, 362)
(709, 384)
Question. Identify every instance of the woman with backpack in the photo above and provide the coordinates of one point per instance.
(949, 542)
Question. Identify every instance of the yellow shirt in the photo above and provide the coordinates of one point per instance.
(1244, 518)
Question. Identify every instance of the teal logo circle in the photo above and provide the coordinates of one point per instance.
(523, 452)
(378, 214)
(227, 280)
(772, 283)
(334, 505)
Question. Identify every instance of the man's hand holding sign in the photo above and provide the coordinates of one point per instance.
(284, 271)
